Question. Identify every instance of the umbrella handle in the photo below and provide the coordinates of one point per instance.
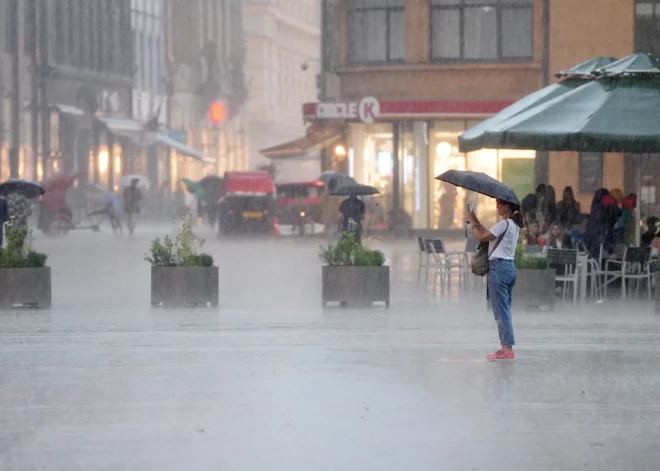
(471, 207)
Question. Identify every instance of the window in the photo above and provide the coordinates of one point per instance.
(591, 171)
(647, 26)
(378, 31)
(482, 30)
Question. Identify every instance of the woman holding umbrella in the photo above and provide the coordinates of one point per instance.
(502, 239)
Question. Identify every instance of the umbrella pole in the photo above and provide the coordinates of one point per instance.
(638, 206)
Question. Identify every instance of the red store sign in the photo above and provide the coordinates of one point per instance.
(369, 109)
(366, 110)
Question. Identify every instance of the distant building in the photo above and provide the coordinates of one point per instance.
(84, 70)
(283, 52)
(205, 61)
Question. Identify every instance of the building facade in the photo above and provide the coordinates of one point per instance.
(74, 64)
(283, 52)
(404, 78)
(205, 71)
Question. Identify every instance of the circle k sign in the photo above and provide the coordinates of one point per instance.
(366, 110)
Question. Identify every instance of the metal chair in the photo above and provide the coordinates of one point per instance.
(424, 255)
(447, 263)
(632, 264)
(565, 260)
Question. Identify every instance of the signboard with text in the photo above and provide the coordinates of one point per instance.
(366, 110)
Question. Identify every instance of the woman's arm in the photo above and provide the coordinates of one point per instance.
(478, 230)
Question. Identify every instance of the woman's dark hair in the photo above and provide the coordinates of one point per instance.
(550, 195)
(568, 195)
(597, 202)
(516, 213)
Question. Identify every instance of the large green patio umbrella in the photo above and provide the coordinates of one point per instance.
(619, 111)
(473, 139)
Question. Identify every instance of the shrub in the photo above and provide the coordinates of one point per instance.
(529, 263)
(349, 252)
(18, 253)
(177, 252)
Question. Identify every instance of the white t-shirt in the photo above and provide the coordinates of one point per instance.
(507, 248)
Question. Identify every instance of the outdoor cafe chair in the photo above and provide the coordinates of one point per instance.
(567, 263)
(445, 263)
(424, 255)
(631, 263)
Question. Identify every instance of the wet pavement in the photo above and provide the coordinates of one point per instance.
(270, 381)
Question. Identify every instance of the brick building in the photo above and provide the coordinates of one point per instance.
(411, 75)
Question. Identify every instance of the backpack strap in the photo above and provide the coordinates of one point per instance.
(499, 239)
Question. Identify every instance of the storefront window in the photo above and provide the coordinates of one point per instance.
(371, 161)
(425, 150)
(446, 201)
(413, 152)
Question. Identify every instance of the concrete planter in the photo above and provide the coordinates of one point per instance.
(184, 286)
(534, 288)
(355, 286)
(25, 287)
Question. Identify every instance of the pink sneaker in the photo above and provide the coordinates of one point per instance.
(502, 355)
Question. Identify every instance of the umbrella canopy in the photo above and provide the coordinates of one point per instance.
(194, 187)
(354, 189)
(126, 180)
(212, 185)
(60, 182)
(480, 183)
(619, 112)
(473, 138)
(333, 179)
(28, 188)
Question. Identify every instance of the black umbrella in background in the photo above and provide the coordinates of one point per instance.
(212, 185)
(334, 179)
(480, 183)
(354, 189)
(28, 188)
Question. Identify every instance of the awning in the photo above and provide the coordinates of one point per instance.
(179, 146)
(68, 109)
(317, 137)
(128, 128)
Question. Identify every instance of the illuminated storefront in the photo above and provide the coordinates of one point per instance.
(400, 147)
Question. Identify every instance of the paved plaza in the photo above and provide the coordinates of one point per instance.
(271, 381)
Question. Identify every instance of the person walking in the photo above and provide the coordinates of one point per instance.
(132, 199)
(502, 239)
(352, 211)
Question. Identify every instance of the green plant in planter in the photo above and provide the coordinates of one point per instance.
(177, 252)
(18, 252)
(349, 252)
(529, 263)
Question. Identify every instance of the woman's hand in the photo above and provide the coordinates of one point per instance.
(471, 218)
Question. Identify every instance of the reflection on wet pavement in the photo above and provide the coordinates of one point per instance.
(271, 381)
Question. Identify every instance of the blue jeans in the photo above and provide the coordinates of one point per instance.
(501, 279)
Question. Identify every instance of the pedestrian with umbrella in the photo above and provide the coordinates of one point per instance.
(500, 251)
(352, 209)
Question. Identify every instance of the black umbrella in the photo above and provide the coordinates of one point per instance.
(354, 189)
(28, 188)
(333, 179)
(480, 183)
(212, 185)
